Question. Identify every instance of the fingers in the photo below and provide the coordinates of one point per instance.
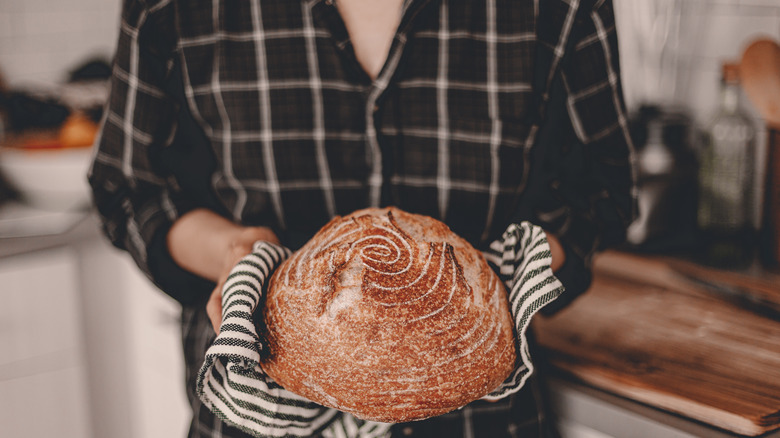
(237, 249)
(250, 235)
(214, 307)
(268, 235)
(557, 251)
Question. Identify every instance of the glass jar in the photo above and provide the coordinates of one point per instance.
(726, 172)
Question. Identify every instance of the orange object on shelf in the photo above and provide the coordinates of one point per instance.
(77, 131)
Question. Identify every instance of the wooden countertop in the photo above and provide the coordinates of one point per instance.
(649, 329)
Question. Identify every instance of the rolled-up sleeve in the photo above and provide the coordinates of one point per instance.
(591, 76)
(586, 192)
(137, 199)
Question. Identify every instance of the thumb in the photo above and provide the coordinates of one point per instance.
(214, 307)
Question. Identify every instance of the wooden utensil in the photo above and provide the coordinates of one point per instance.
(760, 72)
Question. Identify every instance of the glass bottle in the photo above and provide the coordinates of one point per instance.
(725, 210)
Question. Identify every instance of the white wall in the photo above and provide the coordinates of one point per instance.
(42, 40)
(730, 27)
(699, 35)
(684, 71)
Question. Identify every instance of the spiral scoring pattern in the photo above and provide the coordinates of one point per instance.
(389, 316)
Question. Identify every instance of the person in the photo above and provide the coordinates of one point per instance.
(231, 122)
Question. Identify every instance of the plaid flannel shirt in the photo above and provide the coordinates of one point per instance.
(454, 126)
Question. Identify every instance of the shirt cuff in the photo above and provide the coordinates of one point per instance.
(183, 286)
(576, 278)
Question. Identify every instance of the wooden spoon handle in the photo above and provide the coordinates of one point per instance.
(760, 71)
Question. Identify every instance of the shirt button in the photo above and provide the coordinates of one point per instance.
(376, 108)
(407, 431)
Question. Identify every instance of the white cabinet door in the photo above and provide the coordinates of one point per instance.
(50, 404)
(43, 385)
(134, 349)
(157, 358)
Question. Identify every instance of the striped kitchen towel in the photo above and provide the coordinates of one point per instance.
(232, 384)
(522, 260)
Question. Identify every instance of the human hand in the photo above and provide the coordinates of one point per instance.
(556, 250)
(238, 248)
(209, 245)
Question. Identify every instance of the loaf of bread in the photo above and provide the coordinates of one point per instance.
(389, 316)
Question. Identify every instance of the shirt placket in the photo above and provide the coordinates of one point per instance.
(376, 91)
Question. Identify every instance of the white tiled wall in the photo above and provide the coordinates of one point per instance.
(42, 40)
(732, 25)
(710, 31)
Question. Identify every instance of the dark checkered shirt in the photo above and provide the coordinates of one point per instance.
(485, 112)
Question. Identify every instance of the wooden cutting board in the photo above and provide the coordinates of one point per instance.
(647, 332)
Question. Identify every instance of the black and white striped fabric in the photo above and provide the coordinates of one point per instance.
(232, 384)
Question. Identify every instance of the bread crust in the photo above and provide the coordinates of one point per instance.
(389, 316)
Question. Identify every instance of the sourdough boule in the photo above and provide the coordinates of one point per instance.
(389, 316)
